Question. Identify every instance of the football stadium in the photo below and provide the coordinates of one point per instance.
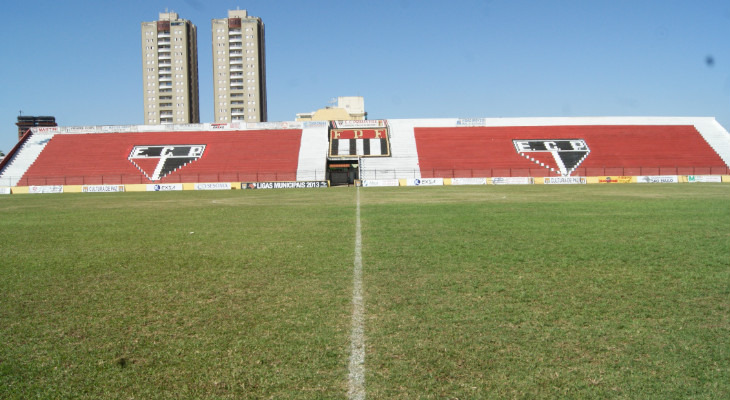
(368, 152)
(404, 258)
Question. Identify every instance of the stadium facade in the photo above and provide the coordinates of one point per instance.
(375, 152)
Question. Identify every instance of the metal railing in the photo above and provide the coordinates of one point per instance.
(539, 172)
(126, 179)
(315, 175)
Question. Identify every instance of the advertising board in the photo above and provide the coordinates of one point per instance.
(102, 188)
(468, 181)
(379, 182)
(284, 185)
(616, 179)
(565, 180)
(704, 178)
(658, 179)
(512, 180)
(368, 123)
(46, 189)
(425, 182)
(164, 187)
(471, 122)
(213, 186)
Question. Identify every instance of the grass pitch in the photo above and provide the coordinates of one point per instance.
(470, 292)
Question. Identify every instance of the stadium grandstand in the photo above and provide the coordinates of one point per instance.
(343, 152)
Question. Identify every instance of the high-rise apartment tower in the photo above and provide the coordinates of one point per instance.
(170, 70)
(239, 68)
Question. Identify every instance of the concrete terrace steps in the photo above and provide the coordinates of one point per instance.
(227, 154)
(717, 137)
(420, 148)
(403, 162)
(24, 159)
(312, 152)
(617, 144)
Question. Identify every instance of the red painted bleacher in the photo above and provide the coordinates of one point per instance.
(229, 156)
(614, 150)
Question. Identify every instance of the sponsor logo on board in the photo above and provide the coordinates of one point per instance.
(425, 182)
(564, 180)
(704, 178)
(658, 179)
(164, 187)
(615, 179)
(284, 185)
(213, 186)
(102, 188)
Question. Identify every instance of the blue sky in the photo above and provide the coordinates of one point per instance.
(80, 61)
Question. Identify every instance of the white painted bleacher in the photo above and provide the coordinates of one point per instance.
(312, 153)
(23, 159)
(716, 136)
(403, 162)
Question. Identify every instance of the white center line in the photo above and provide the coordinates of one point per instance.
(356, 384)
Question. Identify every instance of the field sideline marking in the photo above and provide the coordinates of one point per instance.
(356, 377)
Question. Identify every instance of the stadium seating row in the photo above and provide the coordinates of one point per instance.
(436, 148)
